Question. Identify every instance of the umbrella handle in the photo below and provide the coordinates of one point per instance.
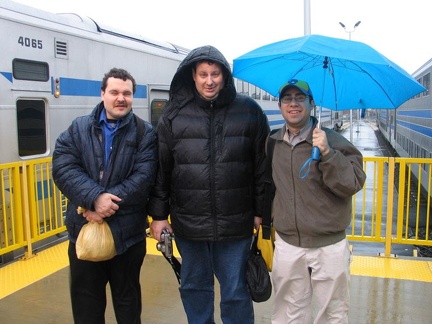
(304, 170)
(315, 153)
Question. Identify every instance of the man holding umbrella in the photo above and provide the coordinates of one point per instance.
(311, 212)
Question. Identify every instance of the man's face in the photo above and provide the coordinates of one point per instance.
(117, 98)
(295, 112)
(209, 79)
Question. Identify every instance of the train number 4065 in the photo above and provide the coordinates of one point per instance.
(30, 42)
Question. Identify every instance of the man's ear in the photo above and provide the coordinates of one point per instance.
(312, 102)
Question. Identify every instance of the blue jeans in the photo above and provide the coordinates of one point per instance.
(226, 260)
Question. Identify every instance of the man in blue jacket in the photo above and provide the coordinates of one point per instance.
(106, 163)
(210, 182)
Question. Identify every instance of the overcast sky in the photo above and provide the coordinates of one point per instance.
(399, 29)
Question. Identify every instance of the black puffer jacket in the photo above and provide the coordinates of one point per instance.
(210, 177)
(78, 164)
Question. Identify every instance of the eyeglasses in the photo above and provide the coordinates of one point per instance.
(298, 98)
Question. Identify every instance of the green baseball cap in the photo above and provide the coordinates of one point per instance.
(303, 86)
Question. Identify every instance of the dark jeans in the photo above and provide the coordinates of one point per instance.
(88, 282)
(226, 260)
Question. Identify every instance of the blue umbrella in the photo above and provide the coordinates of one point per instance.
(343, 74)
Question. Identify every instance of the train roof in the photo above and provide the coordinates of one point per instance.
(422, 69)
(14, 10)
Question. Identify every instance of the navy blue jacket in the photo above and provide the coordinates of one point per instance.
(78, 166)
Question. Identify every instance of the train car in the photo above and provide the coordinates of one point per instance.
(408, 129)
(51, 69)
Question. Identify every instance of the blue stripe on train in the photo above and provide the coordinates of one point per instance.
(89, 88)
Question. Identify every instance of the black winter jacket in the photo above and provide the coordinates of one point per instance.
(211, 158)
(78, 163)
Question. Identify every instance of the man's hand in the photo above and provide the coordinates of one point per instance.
(257, 223)
(157, 226)
(105, 204)
(91, 216)
(319, 139)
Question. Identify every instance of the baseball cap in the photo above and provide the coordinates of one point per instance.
(303, 86)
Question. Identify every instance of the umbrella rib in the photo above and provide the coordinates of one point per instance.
(333, 80)
(374, 80)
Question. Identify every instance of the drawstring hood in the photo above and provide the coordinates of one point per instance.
(183, 90)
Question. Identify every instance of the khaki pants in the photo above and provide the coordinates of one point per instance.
(303, 277)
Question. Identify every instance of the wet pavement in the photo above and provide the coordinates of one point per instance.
(374, 300)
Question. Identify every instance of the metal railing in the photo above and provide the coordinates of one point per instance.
(395, 204)
(32, 208)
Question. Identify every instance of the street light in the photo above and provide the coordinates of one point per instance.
(350, 31)
(351, 114)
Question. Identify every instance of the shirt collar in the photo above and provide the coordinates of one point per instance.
(103, 120)
(299, 136)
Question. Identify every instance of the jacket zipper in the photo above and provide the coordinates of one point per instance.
(212, 169)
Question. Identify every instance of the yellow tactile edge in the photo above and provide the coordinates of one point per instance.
(396, 268)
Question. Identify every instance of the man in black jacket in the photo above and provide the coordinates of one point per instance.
(106, 163)
(210, 182)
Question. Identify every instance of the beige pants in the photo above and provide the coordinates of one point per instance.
(311, 283)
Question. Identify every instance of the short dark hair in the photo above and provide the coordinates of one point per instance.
(118, 74)
(210, 62)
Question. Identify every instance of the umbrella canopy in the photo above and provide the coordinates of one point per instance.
(342, 74)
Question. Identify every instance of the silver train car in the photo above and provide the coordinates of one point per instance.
(408, 129)
(51, 69)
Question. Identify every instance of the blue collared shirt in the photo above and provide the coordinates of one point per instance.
(108, 128)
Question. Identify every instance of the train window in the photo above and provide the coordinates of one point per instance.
(30, 70)
(242, 87)
(418, 94)
(239, 85)
(31, 127)
(253, 91)
(426, 84)
(157, 107)
(259, 91)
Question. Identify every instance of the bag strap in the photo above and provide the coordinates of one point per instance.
(269, 188)
(140, 129)
(254, 246)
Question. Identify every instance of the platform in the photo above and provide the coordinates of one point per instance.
(383, 290)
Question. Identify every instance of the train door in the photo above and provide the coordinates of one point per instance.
(30, 78)
(31, 127)
(158, 97)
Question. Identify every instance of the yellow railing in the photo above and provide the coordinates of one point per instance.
(32, 208)
(398, 213)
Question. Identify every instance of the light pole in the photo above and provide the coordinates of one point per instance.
(350, 31)
(349, 36)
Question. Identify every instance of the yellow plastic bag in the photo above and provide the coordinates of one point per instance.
(95, 242)
(267, 248)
